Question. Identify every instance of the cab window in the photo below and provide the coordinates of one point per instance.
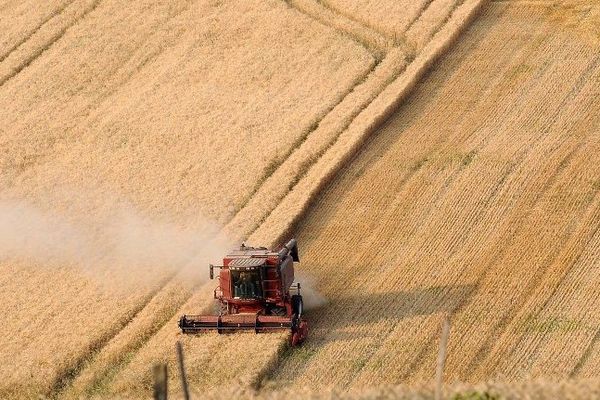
(246, 284)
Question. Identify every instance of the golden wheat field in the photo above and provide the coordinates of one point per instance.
(433, 158)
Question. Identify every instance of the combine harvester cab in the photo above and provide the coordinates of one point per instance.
(256, 292)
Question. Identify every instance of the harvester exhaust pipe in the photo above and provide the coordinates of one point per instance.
(290, 248)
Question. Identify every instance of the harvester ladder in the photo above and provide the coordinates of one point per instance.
(263, 281)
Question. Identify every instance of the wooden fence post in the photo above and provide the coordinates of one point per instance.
(439, 374)
(159, 371)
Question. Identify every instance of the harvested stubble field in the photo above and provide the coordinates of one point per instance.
(165, 121)
(479, 199)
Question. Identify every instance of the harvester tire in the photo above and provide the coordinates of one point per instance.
(297, 305)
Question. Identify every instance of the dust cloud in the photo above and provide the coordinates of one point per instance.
(122, 246)
(311, 297)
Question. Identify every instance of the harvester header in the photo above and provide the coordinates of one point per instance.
(256, 291)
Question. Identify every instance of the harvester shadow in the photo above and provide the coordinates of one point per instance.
(369, 316)
(346, 317)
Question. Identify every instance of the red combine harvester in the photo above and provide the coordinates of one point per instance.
(255, 293)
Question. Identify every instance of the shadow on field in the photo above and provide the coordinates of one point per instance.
(338, 319)
(372, 316)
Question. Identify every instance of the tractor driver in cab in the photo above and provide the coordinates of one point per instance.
(245, 287)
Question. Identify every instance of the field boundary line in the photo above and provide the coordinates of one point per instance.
(64, 22)
(36, 29)
(289, 211)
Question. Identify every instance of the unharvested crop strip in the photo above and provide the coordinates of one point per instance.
(65, 378)
(440, 23)
(425, 6)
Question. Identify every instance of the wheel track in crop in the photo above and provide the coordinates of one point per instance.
(66, 377)
(46, 46)
(36, 29)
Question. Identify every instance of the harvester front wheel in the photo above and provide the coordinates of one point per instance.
(297, 305)
(299, 331)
